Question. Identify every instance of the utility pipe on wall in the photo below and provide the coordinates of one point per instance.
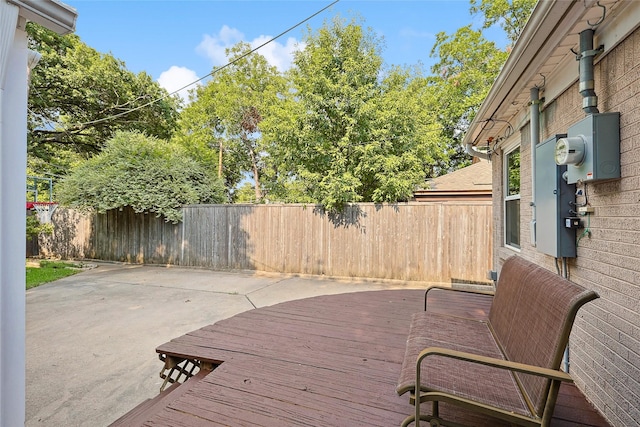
(534, 107)
(587, 83)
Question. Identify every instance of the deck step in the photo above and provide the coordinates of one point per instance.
(141, 413)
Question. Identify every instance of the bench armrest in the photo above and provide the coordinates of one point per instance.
(551, 374)
(419, 396)
(446, 288)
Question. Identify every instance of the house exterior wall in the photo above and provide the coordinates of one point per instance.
(605, 342)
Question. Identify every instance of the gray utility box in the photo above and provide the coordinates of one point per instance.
(553, 203)
(601, 135)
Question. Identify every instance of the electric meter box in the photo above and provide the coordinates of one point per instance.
(600, 133)
(554, 203)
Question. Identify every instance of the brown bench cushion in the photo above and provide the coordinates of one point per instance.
(450, 375)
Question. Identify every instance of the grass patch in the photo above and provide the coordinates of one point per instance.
(48, 271)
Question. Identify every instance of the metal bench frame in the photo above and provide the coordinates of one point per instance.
(530, 321)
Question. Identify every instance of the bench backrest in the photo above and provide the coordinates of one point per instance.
(531, 315)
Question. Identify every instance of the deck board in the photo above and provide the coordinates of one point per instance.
(322, 361)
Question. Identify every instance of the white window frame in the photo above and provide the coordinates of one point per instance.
(507, 150)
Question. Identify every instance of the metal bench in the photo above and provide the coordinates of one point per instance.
(507, 365)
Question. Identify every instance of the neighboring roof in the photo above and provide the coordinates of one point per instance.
(469, 183)
(543, 58)
(474, 177)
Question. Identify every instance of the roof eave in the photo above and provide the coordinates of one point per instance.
(51, 14)
(549, 23)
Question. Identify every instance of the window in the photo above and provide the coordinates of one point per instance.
(512, 198)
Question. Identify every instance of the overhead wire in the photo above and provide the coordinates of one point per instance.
(215, 70)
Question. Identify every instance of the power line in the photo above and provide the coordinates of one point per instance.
(215, 70)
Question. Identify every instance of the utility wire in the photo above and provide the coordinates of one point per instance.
(215, 70)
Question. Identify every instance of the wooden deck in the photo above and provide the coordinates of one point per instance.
(323, 361)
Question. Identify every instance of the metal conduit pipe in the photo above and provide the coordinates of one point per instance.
(565, 357)
(534, 108)
(587, 84)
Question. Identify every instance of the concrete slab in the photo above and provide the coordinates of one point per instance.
(295, 287)
(91, 337)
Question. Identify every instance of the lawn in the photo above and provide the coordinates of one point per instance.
(48, 271)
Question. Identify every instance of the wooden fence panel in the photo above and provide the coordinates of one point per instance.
(435, 242)
(71, 238)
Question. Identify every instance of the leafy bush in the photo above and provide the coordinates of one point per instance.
(145, 173)
(35, 227)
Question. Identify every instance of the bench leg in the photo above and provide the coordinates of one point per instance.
(433, 422)
(433, 419)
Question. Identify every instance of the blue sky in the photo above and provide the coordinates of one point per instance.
(178, 41)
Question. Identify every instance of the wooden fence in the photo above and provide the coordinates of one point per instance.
(435, 242)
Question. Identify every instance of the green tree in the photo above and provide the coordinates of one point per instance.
(76, 94)
(510, 15)
(404, 149)
(223, 122)
(341, 133)
(467, 66)
(145, 173)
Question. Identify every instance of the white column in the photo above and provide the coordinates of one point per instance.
(8, 22)
(13, 157)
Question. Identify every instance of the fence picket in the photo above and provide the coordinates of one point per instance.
(435, 242)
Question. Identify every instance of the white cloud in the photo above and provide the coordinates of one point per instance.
(213, 47)
(176, 78)
(277, 54)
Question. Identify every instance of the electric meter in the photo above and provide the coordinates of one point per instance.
(570, 150)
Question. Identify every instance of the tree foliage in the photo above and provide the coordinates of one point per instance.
(467, 66)
(510, 15)
(35, 227)
(341, 133)
(75, 91)
(337, 128)
(223, 123)
(145, 173)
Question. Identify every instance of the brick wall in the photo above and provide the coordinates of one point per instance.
(605, 343)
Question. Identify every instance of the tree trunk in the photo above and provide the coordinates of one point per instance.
(220, 160)
(256, 175)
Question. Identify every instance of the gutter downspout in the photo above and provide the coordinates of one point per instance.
(472, 151)
(534, 107)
